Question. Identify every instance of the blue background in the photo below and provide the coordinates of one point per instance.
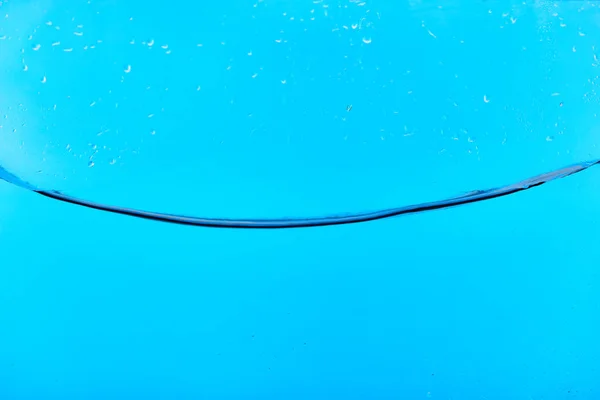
(118, 102)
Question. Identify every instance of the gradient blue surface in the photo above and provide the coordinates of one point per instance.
(497, 300)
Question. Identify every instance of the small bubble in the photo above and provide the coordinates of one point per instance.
(549, 138)
(68, 50)
(25, 67)
(485, 99)
(127, 69)
(151, 43)
(367, 40)
(44, 80)
(91, 164)
(112, 162)
(153, 133)
(55, 44)
(78, 33)
(36, 47)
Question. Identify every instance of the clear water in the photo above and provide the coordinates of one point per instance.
(298, 108)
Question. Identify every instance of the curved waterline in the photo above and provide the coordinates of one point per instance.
(287, 223)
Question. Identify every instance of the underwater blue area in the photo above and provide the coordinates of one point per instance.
(275, 113)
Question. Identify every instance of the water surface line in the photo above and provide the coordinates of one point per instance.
(287, 223)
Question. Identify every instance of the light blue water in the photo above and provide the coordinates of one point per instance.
(277, 109)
